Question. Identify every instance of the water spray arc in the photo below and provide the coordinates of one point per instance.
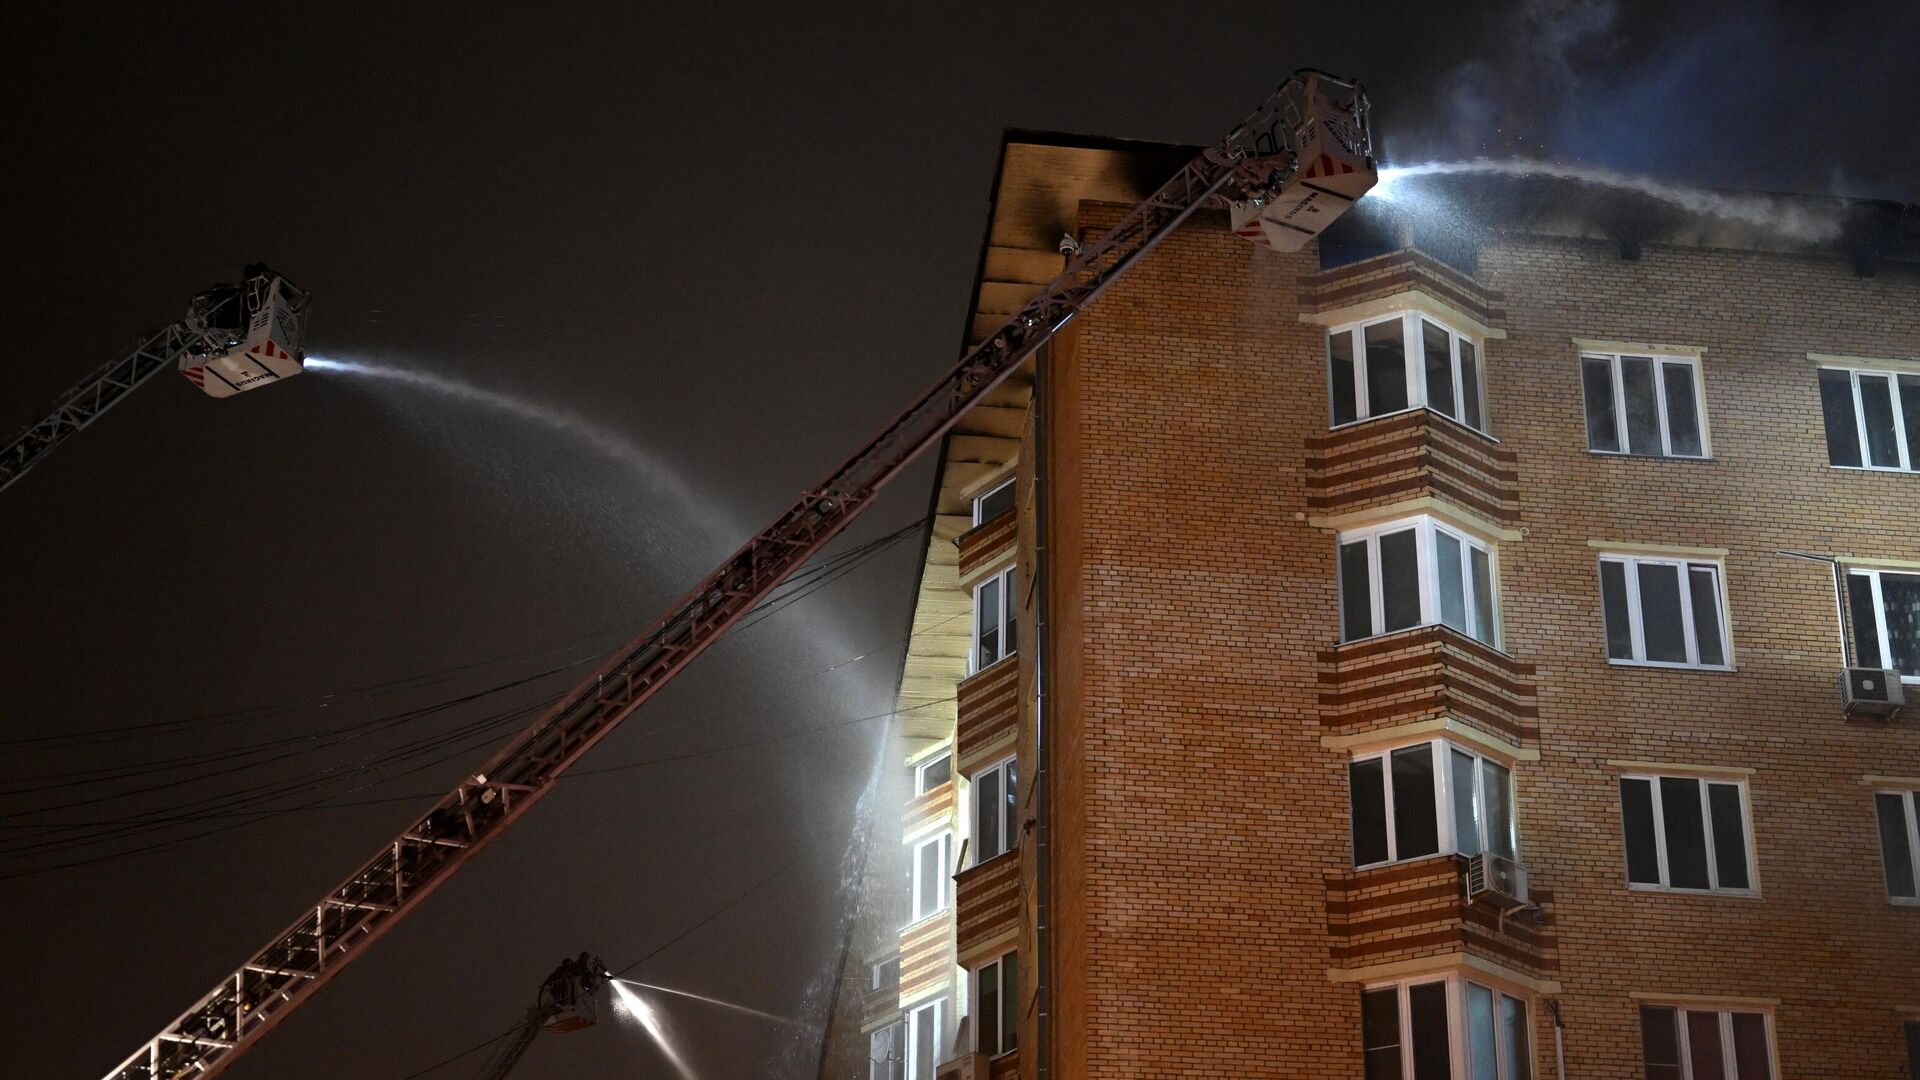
(1794, 222)
(642, 1012)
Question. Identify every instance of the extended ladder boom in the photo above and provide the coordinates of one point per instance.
(1258, 157)
(86, 402)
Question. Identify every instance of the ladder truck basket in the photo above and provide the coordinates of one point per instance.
(1329, 139)
(248, 336)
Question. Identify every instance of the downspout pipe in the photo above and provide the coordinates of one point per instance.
(1042, 776)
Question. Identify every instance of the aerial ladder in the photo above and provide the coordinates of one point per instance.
(1284, 173)
(234, 338)
(568, 1001)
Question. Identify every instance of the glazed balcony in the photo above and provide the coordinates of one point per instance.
(1407, 911)
(1427, 673)
(987, 543)
(988, 716)
(1408, 456)
(925, 810)
(926, 957)
(987, 907)
(881, 1003)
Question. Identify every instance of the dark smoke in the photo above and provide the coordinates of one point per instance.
(1764, 96)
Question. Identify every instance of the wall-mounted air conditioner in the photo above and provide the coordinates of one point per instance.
(1500, 880)
(1872, 692)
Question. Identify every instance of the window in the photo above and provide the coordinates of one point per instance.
(996, 990)
(1372, 372)
(932, 772)
(923, 1040)
(1663, 611)
(1412, 573)
(930, 879)
(1886, 620)
(1647, 405)
(884, 974)
(1872, 418)
(994, 791)
(994, 622)
(1407, 1032)
(995, 502)
(1686, 834)
(1913, 1049)
(1404, 807)
(1899, 844)
(1705, 1044)
(887, 1052)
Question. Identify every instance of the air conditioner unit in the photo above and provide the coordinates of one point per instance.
(1872, 692)
(1501, 880)
(964, 1067)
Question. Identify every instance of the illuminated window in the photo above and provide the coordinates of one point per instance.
(1414, 801)
(1663, 611)
(1372, 371)
(993, 817)
(995, 604)
(996, 993)
(933, 772)
(1886, 620)
(1646, 405)
(1872, 418)
(1412, 573)
(1705, 1044)
(924, 1040)
(1686, 834)
(930, 880)
(995, 502)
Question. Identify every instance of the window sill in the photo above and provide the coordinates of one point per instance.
(1348, 425)
(1414, 861)
(1708, 458)
(1909, 902)
(1666, 665)
(1894, 470)
(1695, 894)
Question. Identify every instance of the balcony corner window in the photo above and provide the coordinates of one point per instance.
(997, 998)
(1416, 572)
(1414, 801)
(1439, 1028)
(995, 619)
(994, 792)
(994, 502)
(1404, 361)
(929, 880)
(1644, 405)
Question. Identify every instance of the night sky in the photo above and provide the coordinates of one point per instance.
(738, 241)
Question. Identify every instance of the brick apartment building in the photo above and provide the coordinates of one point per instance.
(1287, 583)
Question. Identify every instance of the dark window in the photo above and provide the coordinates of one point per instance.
(1886, 619)
(1679, 619)
(1643, 852)
(1470, 382)
(1603, 427)
(1613, 597)
(1704, 1052)
(1704, 590)
(1750, 1058)
(1346, 406)
(1686, 833)
(1367, 787)
(1836, 408)
(1416, 826)
(1710, 1040)
(1432, 1048)
(1643, 405)
(1683, 412)
(1673, 841)
(1437, 346)
(1400, 580)
(1876, 406)
(1896, 813)
(1660, 621)
(1913, 1049)
(1866, 621)
(993, 503)
(1356, 592)
(1386, 367)
(1380, 1033)
(1729, 836)
(1660, 1043)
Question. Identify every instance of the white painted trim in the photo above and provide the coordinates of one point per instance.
(1409, 300)
(1871, 780)
(1629, 547)
(1864, 563)
(1386, 738)
(1640, 348)
(1427, 505)
(1668, 768)
(1458, 960)
(1872, 363)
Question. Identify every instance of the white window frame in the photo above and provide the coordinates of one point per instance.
(999, 579)
(1724, 1016)
(878, 1068)
(1909, 455)
(1458, 1034)
(944, 838)
(981, 499)
(1660, 400)
(1009, 1038)
(1442, 751)
(1414, 347)
(1706, 820)
(1634, 621)
(1005, 767)
(1873, 575)
(1427, 558)
(937, 1008)
(920, 768)
(1910, 801)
